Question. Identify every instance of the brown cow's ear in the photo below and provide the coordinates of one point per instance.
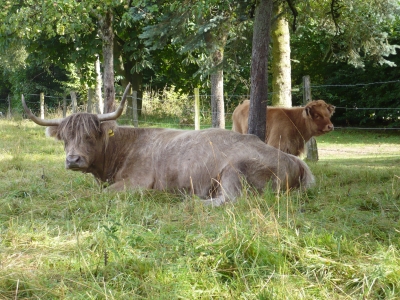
(307, 112)
(331, 109)
(51, 131)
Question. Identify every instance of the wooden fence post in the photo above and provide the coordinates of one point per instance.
(9, 107)
(42, 105)
(64, 106)
(311, 145)
(196, 109)
(134, 109)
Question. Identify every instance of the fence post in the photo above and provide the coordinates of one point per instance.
(64, 106)
(9, 107)
(134, 109)
(42, 105)
(196, 109)
(311, 145)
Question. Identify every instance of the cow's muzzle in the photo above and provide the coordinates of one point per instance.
(75, 162)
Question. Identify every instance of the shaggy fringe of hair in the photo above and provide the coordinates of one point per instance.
(84, 126)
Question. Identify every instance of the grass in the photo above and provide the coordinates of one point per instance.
(62, 238)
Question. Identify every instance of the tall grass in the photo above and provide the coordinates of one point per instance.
(63, 238)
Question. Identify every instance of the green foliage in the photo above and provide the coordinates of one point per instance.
(374, 86)
(198, 30)
(351, 31)
(50, 46)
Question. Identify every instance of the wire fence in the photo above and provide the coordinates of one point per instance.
(177, 111)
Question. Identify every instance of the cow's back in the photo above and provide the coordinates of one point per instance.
(240, 117)
(196, 159)
(286, 127)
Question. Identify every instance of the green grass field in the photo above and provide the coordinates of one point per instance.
(62, 238)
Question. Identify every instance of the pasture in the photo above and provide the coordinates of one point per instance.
(63, 238)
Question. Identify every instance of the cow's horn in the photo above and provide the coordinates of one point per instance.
(114, 115)
(39, 121)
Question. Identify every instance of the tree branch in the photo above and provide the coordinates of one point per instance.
(335, 7)
(294, 12)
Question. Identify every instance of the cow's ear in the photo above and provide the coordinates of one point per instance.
(51, 131)
(331, 109)
(307, 112)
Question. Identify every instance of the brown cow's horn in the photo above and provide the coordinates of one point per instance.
(114, 115)
(39, 121)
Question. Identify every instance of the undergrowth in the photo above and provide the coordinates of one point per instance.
(64, 238)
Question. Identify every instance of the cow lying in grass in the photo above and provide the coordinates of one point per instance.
(209, 163)
(289, 129)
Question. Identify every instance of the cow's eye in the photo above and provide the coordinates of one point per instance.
(89, 139)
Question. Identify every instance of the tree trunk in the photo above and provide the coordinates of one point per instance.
(281, 66)
(217, 99)
(259, 69)
(74, 102)
(107, 36)
(99, 105)
(215, 44)
(90, 93)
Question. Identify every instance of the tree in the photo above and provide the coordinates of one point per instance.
(50, 35)
(199, 27)
(281, 65)
(259, 69)
(357, 31)
(215, 43)
(351, 31)
(106, 31)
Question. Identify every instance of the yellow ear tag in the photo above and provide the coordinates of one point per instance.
(110, 132)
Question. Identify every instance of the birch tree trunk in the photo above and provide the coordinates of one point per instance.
(281, 66)
(216, 43)
(217, 99)
(74, 102)
(90, 93)
(259, 69)
(107, 36)
(98, 96)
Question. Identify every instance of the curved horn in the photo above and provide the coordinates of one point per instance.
(114, 115)
(39, 121)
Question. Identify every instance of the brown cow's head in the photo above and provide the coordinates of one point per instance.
(83, 134)
(319, 112)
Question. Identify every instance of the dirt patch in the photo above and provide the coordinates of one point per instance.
(358, 150)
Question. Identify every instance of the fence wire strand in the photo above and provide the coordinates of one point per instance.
(182, 116)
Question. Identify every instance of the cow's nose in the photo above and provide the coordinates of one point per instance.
(330, 127)
(73, 160)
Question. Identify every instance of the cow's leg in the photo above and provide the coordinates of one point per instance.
(118, 186)
(131, 184)
(227, 188)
